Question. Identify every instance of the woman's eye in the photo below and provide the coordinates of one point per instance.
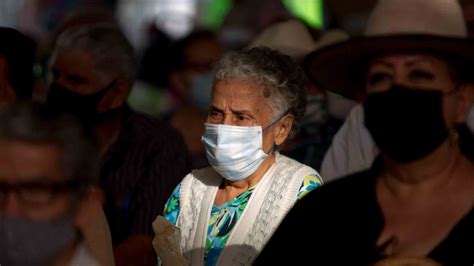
(377, 78)
(241, 118)
(215, 115)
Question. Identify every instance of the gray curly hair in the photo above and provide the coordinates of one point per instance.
(282, 79)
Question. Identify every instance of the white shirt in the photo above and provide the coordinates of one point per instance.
(352, 150)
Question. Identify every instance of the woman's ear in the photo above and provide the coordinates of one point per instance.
(284, 129)
(466, 100)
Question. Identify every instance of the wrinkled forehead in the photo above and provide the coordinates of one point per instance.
(238, 91)
(241, 94)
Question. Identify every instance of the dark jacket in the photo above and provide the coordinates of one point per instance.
(339, 224)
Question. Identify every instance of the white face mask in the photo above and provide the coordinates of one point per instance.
(235, 152)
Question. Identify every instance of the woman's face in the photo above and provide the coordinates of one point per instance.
(241, 103)
(422, 72)
(418, 71)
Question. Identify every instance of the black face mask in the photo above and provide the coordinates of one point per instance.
(406, 123)
(84, 106)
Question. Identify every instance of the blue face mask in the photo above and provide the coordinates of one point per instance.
(201, 90)
(235, 152)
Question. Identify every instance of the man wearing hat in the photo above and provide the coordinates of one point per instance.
(415, 204)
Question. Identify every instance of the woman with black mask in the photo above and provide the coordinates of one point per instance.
(415, 205)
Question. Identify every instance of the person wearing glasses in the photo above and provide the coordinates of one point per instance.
(47, 171)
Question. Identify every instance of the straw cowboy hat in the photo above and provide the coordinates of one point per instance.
(395, 26)
(292, 38)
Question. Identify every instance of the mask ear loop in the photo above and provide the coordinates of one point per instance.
(276, 120)
(271, 125)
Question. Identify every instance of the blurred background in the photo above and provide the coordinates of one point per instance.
(177, 42)
(235, 19)
(236, 22)
(151, 24)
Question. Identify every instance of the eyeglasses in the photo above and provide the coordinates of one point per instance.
(37, 193)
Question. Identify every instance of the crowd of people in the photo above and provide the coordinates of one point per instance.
(333, 150)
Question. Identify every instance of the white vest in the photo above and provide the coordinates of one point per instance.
(272, 198)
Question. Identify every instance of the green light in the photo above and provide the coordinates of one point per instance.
(310, 11)
(215, 13)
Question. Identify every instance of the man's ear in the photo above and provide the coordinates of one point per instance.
(284, 129)
(116, 96)
(466, 100)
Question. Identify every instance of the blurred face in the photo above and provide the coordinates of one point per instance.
(32, 183)
(78, 87)
(75, 70)
(200, 57)
(423, 72)
(202, 54)
(241, 103)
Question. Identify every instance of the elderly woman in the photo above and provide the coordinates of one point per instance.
(416, 202)
(226, 213)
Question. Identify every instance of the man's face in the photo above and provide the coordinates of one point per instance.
(76, 71)
(30, 180)
(78, 87)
